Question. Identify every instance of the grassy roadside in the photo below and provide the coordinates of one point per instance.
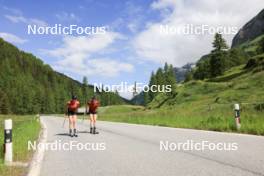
(25, 128)
(218, 118)
(206, 104)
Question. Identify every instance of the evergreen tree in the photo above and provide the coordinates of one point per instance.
(189, 76)
(171, 80)
(146, 98)
(4, 103)
(203, 69)
(219, 43)
(85, 90)
(217, 60)
(166, 67)
(160, 77)
(217, 64)
(153, 81)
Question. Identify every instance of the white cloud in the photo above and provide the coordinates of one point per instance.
(64, 16)
(84, 44)
(131, 18)
(16, 16)
(104, 67)
(21, 19)
(133, 27)
(134, 15)
(76, 56)
(12, 10)
(151, 45)
(12, 38)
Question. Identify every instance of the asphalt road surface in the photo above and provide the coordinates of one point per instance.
(136, 150)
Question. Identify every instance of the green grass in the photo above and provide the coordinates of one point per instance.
(25, 128)
(251, 46)
(216, 118)
(206, 105)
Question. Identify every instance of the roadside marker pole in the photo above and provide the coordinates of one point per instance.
(237, 116)
(8, 148)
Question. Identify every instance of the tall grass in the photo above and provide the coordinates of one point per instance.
(215, 118)
(25, 128)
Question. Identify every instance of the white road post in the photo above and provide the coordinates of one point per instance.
(237, 116)
(8, 142)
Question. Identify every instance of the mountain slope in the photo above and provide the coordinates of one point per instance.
(180, 72)
(251, 30)
(138, 99)
(28, 86)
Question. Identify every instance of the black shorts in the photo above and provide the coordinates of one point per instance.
(92, 112)
(70, 112)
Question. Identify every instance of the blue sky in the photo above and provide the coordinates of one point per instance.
(132, 46)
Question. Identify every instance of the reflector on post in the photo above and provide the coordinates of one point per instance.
(237, 116)
(8, 142)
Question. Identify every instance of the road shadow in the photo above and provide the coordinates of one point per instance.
(67, 134)
(83, 131)
(62, 134)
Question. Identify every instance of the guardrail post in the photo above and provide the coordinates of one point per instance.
(237, 116)
(8, 148)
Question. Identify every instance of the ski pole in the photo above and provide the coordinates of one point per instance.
(83, 118)
(84, 114)
(64, 121)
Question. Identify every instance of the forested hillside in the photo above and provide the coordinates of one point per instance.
(28, 86)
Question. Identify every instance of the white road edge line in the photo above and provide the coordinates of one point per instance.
(35, 165)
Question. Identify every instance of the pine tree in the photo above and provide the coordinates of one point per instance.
(171, 80)
(217, 60)
(146, 98)
(4, 103)
(189, 76)
(153, 81)
(217, 64)
(219, 43)
(202, 70)
(160, 77)
(166, 67)
(85, 90)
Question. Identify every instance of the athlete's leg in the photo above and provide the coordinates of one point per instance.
(70, 124)
(94, 119)
(94, 123)
(91, 122)
(74, 125)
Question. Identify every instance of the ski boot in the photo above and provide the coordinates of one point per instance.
(75, 133)
(94, 131)
(70, 133)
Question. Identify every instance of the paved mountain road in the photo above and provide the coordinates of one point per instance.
(134, 150)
